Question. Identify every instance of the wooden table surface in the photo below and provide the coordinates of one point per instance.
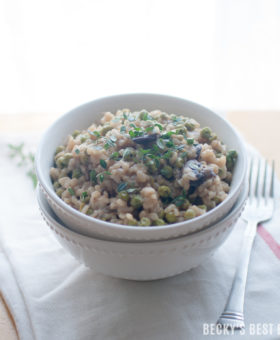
(260, 128)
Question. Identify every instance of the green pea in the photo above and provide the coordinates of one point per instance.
(170, 217)
(206, 133)
(213, 137)
(77, 173)
(143, 115)
(167, 171)
(145, 222)
(83, 138)
(105, 129)
(185, 205)
(59, 191)
(161, 214)
(123, 195)
(231, 159)
(136, 202)
(89, 211)
(132, 222)
(63, 161)
(217, 200)
(222, 173)
(181, 130)
(151, 165)
(164, 191)
(189, 125)
(129, 154)
(76, 133)
(56, 185)
(189, 214)
(59, 149)
(179, 163)
(60, 162)
(159, 221)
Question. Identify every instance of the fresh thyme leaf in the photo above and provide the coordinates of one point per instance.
(94, 133)
(121, 186)
(24, 159)
(92, 176)
(190, 141)
(160, 144)
(149, 128)
(103, 163)
(159, 126)
(170, 144)
(167, 135)
(71, 191)
(132, 134)
(77, 151)
(84, 195)
(101, 178)
(167, 154)
(33, 177)
(115, 155)
(180, 147)
(179, 201)
(145, 151)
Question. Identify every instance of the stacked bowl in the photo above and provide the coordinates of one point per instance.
(131, 252)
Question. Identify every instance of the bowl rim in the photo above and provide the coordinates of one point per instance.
(137, 229)
(239, 206)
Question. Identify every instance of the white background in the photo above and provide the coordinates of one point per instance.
(57, 54)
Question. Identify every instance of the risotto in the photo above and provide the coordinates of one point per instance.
(143, 169)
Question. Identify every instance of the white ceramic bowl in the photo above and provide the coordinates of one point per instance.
(143, 261)
(86, 114)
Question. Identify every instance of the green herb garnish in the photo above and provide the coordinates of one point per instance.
(84, 195)
(26, 160)
(71, 191)
(159, 126)
(92, 176)
(115, 155)
(121, 186)
(190, 141)
(179, 201)
(103, 163)
(160, 144)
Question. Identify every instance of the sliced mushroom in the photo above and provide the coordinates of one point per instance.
(199, 172)
(198, 149)
(146, 139)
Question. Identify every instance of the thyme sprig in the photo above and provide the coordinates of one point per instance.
(25, 160)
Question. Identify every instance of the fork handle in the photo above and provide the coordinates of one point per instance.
(233, 314)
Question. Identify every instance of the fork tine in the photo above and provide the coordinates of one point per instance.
(257, 182)
(271, 193)
(264, 182)
(250, 193)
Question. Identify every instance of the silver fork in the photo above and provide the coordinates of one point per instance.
(259, 208)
